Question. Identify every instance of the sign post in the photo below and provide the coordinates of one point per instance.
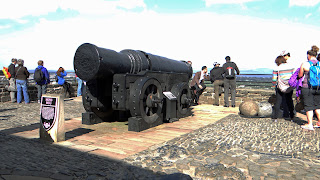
(52, 118)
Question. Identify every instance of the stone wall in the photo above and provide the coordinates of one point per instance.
(242, 95)
(32, 90)
(258, 95)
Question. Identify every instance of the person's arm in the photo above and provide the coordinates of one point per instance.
(64, 73)
(211, 76)
(47, 76)
(304, 67)
(237, 69)
(274, 78)
(27, 72)
(197, 78)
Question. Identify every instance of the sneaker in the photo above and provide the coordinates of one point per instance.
(307, 127)
(317, 125)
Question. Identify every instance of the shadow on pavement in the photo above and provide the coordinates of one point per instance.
(5, 117)
(77, 132)
(2, 110)
(37, 158)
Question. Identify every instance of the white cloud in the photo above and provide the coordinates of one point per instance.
(5, 27)
(308, 15)
(15, 9)
(212, 2)
(303, 2)
(251, 42)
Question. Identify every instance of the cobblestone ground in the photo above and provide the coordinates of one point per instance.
(232, 148)
(15, 115)
(239, 148)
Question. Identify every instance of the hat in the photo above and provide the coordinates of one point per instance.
(284, 52)
(215, 63)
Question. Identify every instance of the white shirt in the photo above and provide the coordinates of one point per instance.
(202, 76)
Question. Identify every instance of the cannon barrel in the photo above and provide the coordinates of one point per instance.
(92, 62)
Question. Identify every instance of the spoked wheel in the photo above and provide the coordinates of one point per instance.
(146, 100)
(183, 94)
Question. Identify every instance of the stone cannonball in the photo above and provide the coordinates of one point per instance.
(265, 109)
(249, 108)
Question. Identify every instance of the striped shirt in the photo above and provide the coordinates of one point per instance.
(285, 71)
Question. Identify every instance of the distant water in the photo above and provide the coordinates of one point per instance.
(255, 77)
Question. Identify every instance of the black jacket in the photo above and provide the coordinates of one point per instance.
(216, 74)
(233, 65)
(11, 70)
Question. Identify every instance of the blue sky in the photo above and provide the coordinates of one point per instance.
(252, 32)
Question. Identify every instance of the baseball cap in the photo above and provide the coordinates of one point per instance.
(284, 52)
(215, 63)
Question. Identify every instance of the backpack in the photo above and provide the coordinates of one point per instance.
(229, 73)
(293, 81)
(38, 75)
(314, 75)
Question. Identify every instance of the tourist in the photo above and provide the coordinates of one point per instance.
(12, 80)
(197, 84)
(284, 71)
(61, 73)
(230, 81)
(42, 86)
(22, 75)
(216, 77)
(311, 97)
(80, 82)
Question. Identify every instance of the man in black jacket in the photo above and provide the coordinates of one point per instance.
(12, 81)
(216, 77)
(230, 81)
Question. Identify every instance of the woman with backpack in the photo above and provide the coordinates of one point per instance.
(281, 74)
(61, 73)
(310, 93)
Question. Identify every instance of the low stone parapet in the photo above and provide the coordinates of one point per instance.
(258, 95)
(32, 90)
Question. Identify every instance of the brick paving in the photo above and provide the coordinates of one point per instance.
(234, 154)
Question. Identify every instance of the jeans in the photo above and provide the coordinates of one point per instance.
(42, 89)
(287, 97)
(22, 87)
(79, 91)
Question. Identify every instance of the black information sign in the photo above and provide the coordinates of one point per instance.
(48, 112)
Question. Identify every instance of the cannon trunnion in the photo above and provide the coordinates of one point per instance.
(145, 89)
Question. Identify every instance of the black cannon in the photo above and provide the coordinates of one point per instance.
(145, 88)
